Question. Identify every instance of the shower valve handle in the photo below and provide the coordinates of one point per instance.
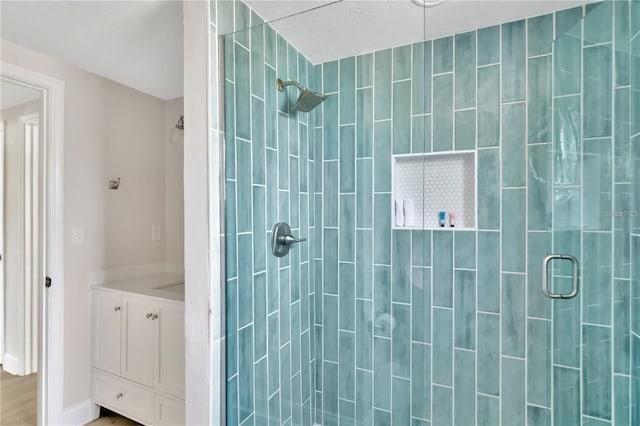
(282, 240)
(288, 240)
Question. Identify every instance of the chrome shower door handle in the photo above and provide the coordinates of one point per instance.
(575, 276)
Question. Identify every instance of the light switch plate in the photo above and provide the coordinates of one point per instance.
(77, 236)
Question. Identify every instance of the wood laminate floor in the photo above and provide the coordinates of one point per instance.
(18, 403)
(18, 399)
(108, 418)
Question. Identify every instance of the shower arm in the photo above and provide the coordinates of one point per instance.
(282, 84)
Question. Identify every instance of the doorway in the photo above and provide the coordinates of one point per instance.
(31, 382)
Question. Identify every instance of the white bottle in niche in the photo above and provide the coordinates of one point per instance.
(399, 212)
(409, 213)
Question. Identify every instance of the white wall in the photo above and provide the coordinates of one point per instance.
(174, 184)
(14, 228)
(110, 131)
(135, 153)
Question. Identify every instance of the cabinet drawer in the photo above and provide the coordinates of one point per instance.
(167, 411)
(123, 397)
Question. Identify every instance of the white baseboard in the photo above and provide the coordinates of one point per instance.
(80, 413)
(12, 365)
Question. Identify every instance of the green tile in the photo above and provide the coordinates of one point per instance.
(257, 58)
(347, 90)
(465, 309)
(539, 105)
(442, 347)
(540, 35)
(269, 45)
(597, 176)
(241, 23)
(382, 157)
(513, 315)
(364, 70)
(489, 353)
(598, 23)
(421, 133)
(464, 387)
(489, 189)
(513, 401)
(401, 63)
(382, 85)
(489, 271)
(443, 115)
(513, 61)
(513, 145)
(421, 380)
(569, 21)
(465, 249)
(596, 278)
(364, 122)
(567, 394)
(330, 76)
(567, 57)
(621, 41)
(489, 106)
(443, 55)
(402, 117)
(443, 256)
(598, 95)
(488, 410)
(465, 129)
(347, 227)
(465, 70)
(242, 95)
(330, 129)
(513, 230)
(567, 139)
(421, 305)
(257, 144)
(347, 159)
(597, 371)
(364, 192)
(421, 78)
(489, 45)
(539, 175)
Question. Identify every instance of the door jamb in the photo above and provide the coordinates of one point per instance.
(51, 300)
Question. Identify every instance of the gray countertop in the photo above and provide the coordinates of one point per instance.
(163, 286)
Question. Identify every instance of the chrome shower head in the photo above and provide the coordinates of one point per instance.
(307, 100)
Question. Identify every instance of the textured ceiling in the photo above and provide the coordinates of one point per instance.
(139, 43)
(136, 43)
(352, 27)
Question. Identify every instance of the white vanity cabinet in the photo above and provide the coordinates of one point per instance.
(138, 356)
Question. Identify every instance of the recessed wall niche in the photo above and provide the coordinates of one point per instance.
(434, 183)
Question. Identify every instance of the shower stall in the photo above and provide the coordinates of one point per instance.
(457, 217)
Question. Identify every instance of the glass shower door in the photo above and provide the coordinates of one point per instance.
(593, 195)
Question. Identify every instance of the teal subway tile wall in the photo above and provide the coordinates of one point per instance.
(367, 323)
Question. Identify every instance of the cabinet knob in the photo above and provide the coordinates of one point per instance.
(116, 308)
(120, 395)
(149, 316)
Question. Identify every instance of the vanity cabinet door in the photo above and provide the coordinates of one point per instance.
(138, 338)
(169, 377)
(106, 320)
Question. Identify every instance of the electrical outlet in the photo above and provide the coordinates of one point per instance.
(156, 233)
(77, 236)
